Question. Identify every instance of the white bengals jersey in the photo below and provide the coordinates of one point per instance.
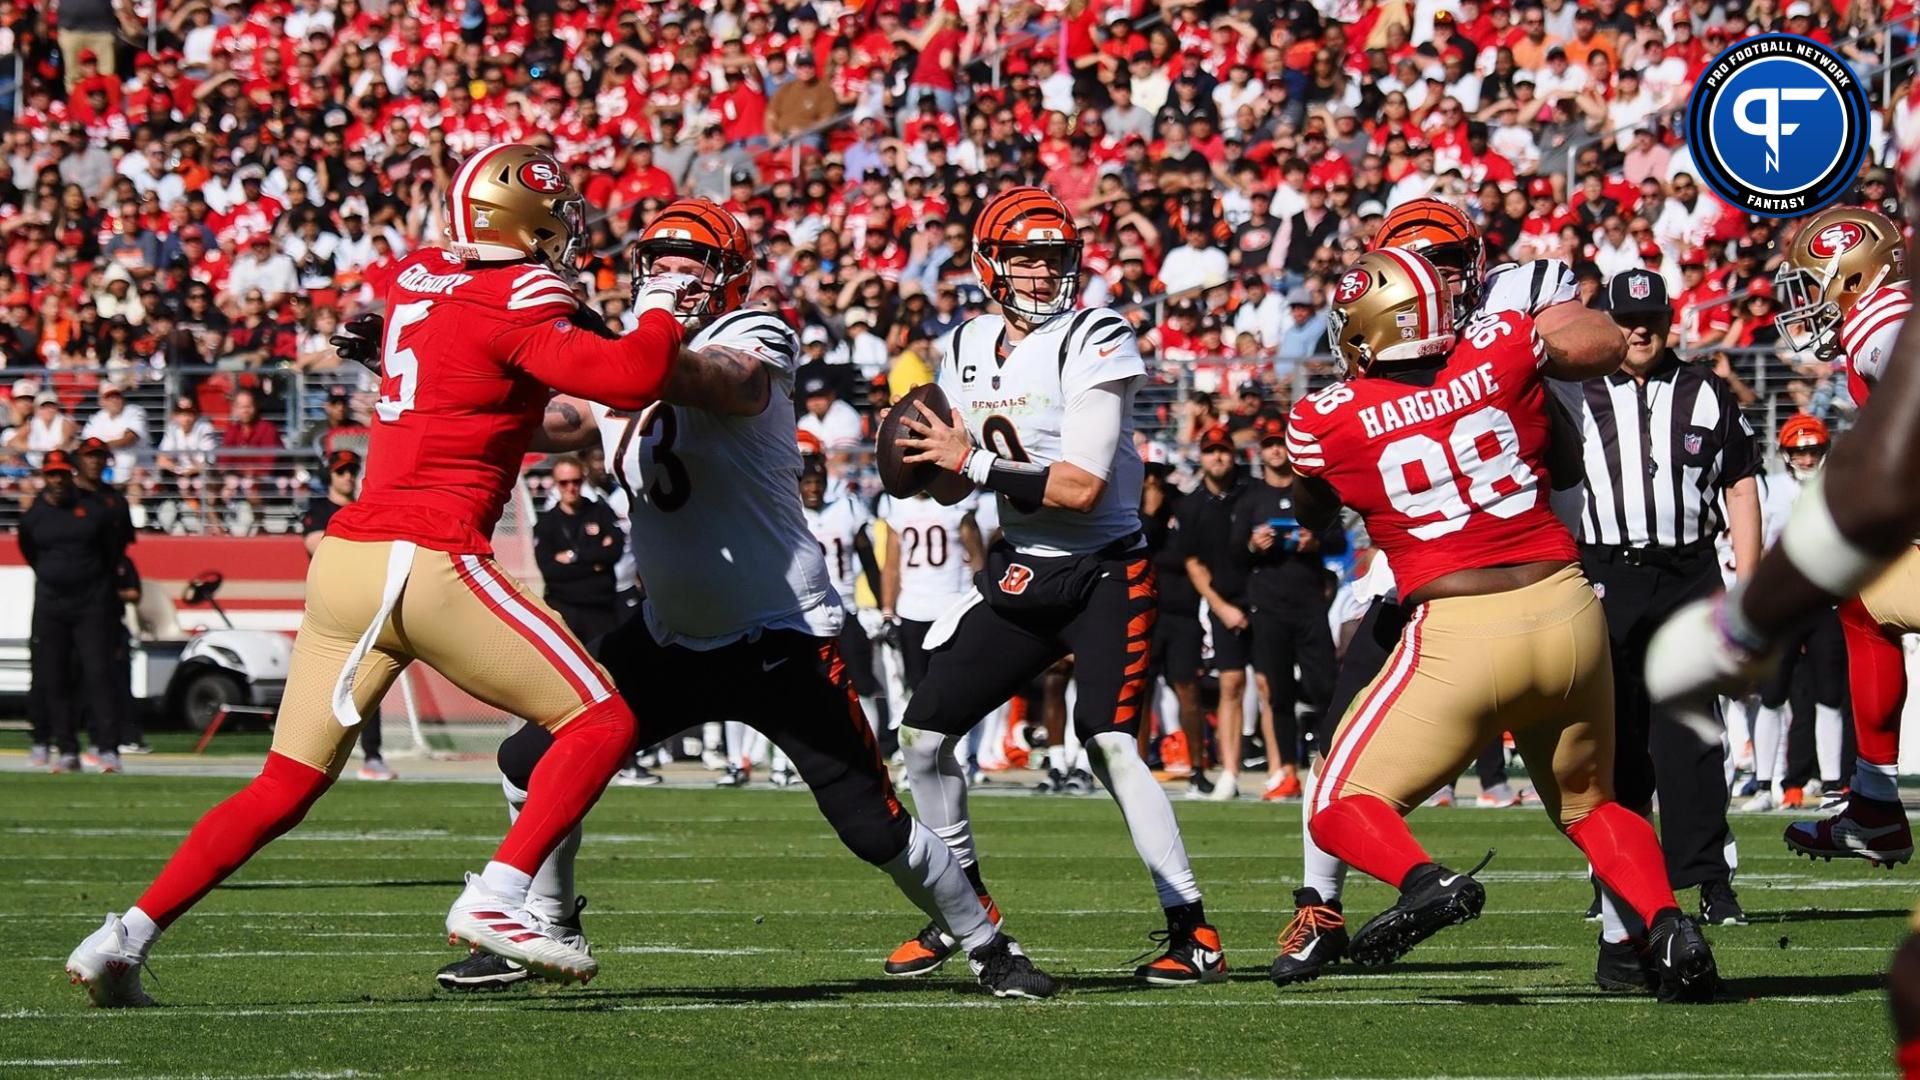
(933, 559)
(1867, 335)
(836, 526)
(1529, 287)
(718, 532)
(1015, 407)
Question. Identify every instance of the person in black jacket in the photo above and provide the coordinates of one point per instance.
(90, 482)
(577, 544)
(1176, 629)
(1288, 593)
(74, 548)
(1205, 519)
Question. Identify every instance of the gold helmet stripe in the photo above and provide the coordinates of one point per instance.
(462, 187)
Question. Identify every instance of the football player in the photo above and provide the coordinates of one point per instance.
(932, 551)
(1043, 397)
(839, 520)
(1845, 287)
(741, 618)
(1440, 441)
(1442, 234)
(476, 334)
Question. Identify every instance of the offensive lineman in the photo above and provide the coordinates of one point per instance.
(1440, 442)
(1043, 397)
(476, 334)
(740, 618)
(1845, 284)
(1542, 289)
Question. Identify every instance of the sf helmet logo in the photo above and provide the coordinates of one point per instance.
(1778, 125)
(1841, 236)
(542, 177)
(1353, 285)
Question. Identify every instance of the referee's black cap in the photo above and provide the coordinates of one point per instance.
(1637, 292)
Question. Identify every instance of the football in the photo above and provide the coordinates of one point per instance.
(901, 480)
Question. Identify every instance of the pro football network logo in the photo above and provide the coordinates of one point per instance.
(1778, 125)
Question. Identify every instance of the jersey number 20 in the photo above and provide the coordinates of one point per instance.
(1422, 476)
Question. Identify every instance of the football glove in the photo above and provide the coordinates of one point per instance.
(662, 292)
(358, 340)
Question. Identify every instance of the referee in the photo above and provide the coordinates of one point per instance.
(1670, 464)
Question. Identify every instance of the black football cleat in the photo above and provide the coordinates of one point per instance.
(1055, 783)
(1315, 939)
(1683, 959)
(1193, 956)
(1624, 967)
(1002, 968)
(1719, 906)
(1431, 899)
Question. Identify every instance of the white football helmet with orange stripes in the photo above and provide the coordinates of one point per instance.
(514, 201)
(1391, 305)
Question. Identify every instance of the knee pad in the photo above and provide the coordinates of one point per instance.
(521, 751)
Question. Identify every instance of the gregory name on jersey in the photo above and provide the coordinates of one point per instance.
(1472, 386)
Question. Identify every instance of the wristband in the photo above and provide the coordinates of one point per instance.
(979, 464)
(1816, 547)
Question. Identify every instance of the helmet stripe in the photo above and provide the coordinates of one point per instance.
(458, 208)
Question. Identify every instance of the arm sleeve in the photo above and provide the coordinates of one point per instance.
(1529, 288)
(1090, 429)
(627, 373)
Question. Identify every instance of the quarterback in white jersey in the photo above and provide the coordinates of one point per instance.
(740, 619)
(1043, 397)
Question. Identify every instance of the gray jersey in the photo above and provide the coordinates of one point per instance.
(719, 536)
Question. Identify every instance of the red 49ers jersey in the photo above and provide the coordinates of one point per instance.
(471, 351)
(1449, 472)
(1867, 337)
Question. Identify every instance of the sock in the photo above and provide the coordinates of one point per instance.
(710, 736)
(1613, 928)
(1187, 916)
(228, 835)
(508, 881)
(1626, 857)
(939, 787)
(928, 875)
(142, 931)
(1828, 730)
(1767, 742)
(567, 782)
(1368, 834)
(1320, 871)
(780, 761)
(1878, 782)
(551, 893)
(1877, 672)
(737, 745)
(1739, 723)
(1156, 835)
(1073, 754)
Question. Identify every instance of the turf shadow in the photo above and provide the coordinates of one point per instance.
(823, 990)
(1836, 985)
(1817, 915)
(265, 886)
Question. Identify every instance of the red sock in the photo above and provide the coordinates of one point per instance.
(1877, 672)
(567, 782)
(227, 835)
(1366, 833)
(1626, 858)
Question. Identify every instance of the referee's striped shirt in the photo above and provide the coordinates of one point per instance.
(1658, 454)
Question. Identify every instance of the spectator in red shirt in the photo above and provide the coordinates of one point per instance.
(248, 457)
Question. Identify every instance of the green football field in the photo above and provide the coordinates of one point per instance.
(738, 939)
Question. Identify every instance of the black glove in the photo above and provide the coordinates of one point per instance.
(359, 340)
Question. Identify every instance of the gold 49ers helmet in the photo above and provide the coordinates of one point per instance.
(514, 201)
(1445, 236)
(1391, 305)
(701, 230)
(1027, 223)
(1838, 256)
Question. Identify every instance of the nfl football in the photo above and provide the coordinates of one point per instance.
(901, 480)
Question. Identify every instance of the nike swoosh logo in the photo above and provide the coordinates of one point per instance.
(1303, 955)
(1109, 351)
(1669, 952)
(1446, 881)
(769, 665)
(1207, 957)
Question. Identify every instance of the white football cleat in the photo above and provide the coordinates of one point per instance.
(491, 923)
(1225, 789)
(108, 969)
(1762, 801)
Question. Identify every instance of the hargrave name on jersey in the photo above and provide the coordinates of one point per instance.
(1473, 386)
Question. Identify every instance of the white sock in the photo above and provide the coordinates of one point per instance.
(710, 736)
(1612, 928)
(737, 745)
(993, 738)
(939, 787)
(1073, 755)
(1768, 737)
(1878, 782)
(929, 875)
(780, 761)
(756, 745)
(550, 894)
(506, 881)
(1116, 761)
(1320, 871)
(142, 931)
(1828, 730)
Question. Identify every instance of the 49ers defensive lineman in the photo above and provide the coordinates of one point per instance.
(740, 619)
(1845, 285)
(1439, 441)
(477, 332)
(1044, 397)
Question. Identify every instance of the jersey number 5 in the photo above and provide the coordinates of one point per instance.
(1422, 477)
(400, 369)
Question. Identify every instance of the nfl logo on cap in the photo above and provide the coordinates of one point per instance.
(1639, 286)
